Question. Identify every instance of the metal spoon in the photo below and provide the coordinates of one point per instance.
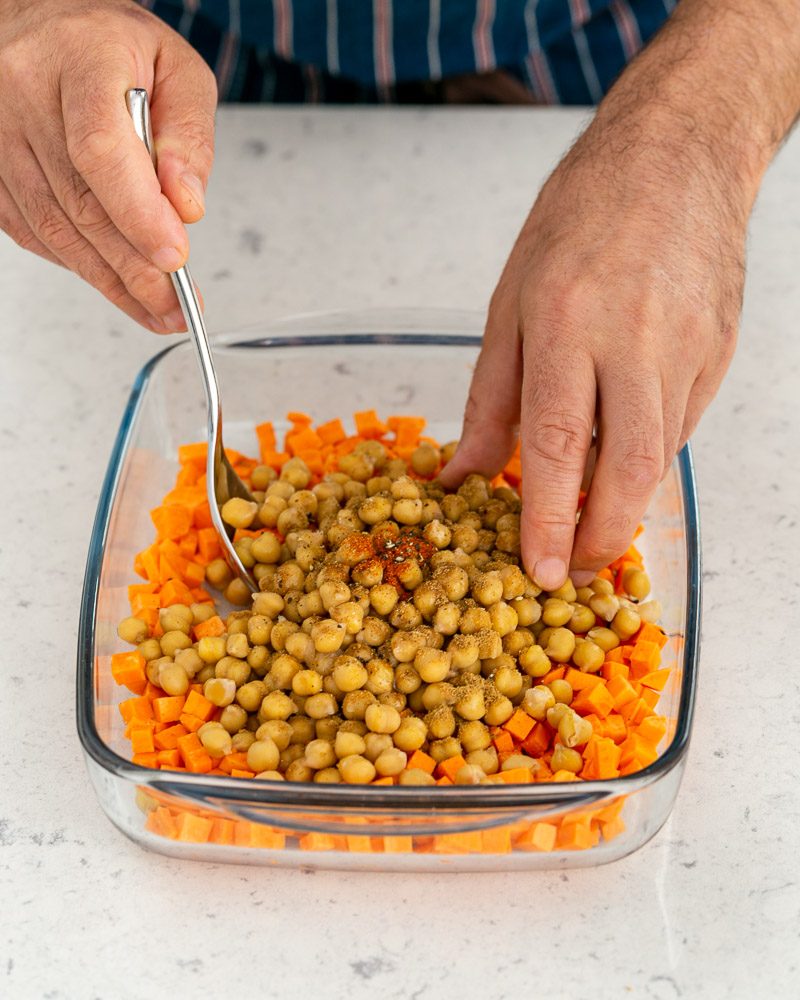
(222, 483)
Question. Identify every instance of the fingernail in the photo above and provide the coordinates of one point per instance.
(582, 577)
(168, 259)
(550, 573)
(194, 186)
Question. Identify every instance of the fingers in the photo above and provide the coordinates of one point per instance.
(491, 417)
(13, 222)
(143, 280)
(182, 110)
(114, 163)
(41, 212)
(558, 410)
(630, 464)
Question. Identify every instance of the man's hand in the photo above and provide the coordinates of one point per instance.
(76, 184)
(618, 308)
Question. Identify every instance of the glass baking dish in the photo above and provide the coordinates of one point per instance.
(332, 365)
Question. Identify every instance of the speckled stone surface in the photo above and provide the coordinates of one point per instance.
(341, 209)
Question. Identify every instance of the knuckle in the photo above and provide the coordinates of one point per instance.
(560, 439)
(200, 148)
(23, 237)
(94, 147)
(83, 207)
(640, 466)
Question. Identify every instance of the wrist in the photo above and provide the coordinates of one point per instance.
(681, 133)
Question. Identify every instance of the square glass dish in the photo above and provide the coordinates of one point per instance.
(402, 362)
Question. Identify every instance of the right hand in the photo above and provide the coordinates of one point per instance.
(77, 185)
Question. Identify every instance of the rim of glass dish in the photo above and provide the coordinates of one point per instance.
(314, 796)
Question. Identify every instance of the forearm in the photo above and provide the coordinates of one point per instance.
(722, 76)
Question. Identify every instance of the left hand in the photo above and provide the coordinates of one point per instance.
(618, 308)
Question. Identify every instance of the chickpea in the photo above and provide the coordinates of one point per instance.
(573, 729)
(588, 656)
(410, 734)
(605, 606)
(383, 598)
(328, 636)
(172, 642)
(267, 604)
(382, 718)
(241, 741)
(320, 754)
(499, 711)
(537, 701)
(306, 683)
(650, 611)
(602, 586)
(375, 509)
(487, 588)
(465, 538)
(292, 753)
(446, 619)
(173, 679)
(218, 573)
(263, 755)
(562, 691)
(504, 618)
(233, 718)
(471, 705)
(318, 706)
(266, 548)
(239, 513)
(276, 705)
(356, 770)
(216, 740)
(508, 681)
(349, 674)
(333, 592)
(237, 592)
(556, 612)
(604, 638)
(626, 624)
(328, 776)
(557, 713)
(445, 749)
(528, 609)
(250, 696)
(220, 692)
(566, 759)
(150, 649)
(278, 730)
(390, 762)
(177, 617)
(381, 678)
(474, 735)
(583, 618)
(374, 632)
(560, 645)
(534, 661)
(415, 776)
(432, 664)
(271, 509)
(487, 760)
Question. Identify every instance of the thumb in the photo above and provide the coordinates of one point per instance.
(491, 418)
(182, 109)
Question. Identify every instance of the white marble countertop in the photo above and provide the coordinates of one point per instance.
(338, 209)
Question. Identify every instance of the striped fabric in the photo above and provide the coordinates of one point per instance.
(375, 51)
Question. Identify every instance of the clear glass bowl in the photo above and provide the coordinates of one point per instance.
(407, 362)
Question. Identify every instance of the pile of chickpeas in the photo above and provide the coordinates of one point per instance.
(392, 616)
